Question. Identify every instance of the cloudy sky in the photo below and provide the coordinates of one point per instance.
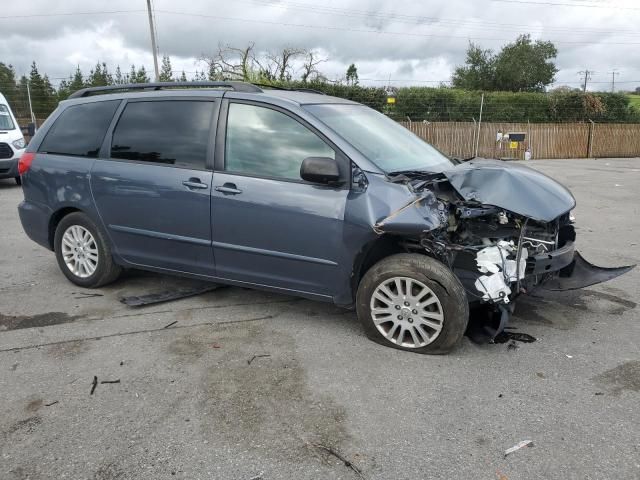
(410, 42)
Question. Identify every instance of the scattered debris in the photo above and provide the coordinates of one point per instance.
(256, 356)
(599, 393)
(110, 381)
(169, 295)
(540, 374)
(568, 356)
(81, 295)
(340, 457)
(52, 403)
(216, 345)
(121, 363)
(512, 345)
(171, 324)
(94, 384)
(515, 448)
(500, 396)
(506, 335)
(257, 477)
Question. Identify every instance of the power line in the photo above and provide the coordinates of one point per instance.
(70, 14)
(379, 32)
(567, 4)
(418, 20)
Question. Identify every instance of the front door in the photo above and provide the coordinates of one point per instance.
(269, 226)
(153, 193)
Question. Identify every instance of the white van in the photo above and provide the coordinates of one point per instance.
(11, 142)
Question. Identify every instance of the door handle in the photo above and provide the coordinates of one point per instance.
(194, 182)
(228, 188)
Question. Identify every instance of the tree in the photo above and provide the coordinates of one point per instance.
(352, 75)
(282, 62)
(478, 72)
(522, 66)
(166, 71)
(183, 77)
(138, 76)
(118, 78)
(99, 76)
(231, 63)
(43, 96)
(310, 67)
(525, 66)
(8, 83)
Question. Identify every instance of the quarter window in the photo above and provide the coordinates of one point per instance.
(80, 129)
(168, 132)
(264, 142)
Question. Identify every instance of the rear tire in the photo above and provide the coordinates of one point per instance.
(18, 180)
(413, 302)
(83, 252)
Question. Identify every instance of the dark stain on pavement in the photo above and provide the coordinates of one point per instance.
(563, 310)
(625, 376)
(263, 405)
(68, 349)
(109, 471)
(34, 405)
(9, 322)
(26, 426)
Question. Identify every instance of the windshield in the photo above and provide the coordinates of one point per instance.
(5, 118)
(385, 142)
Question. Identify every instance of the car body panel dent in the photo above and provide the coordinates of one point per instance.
(513, 187)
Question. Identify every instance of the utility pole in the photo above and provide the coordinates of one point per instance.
(33, 117)
(613, 80)
(153, 41)
(586, 77)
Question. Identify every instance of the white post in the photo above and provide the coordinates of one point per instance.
(590, 149)
(153, 41)
(479, 124)
(33, 117)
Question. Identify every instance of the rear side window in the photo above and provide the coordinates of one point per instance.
(80, 129)
(264, 142)
(168, 132)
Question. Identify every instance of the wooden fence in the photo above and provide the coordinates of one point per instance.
(545, 140)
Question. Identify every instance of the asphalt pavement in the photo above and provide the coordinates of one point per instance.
(243, 384)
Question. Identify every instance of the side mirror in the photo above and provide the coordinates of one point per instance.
(320, 170)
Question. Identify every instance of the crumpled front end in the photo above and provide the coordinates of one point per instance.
(502, 249)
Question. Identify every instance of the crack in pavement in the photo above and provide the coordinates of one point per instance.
(136, 332)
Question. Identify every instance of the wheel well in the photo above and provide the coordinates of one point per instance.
(375, 251)
(55, 220)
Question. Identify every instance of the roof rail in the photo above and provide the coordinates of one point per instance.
(289, 89)
(154, 86)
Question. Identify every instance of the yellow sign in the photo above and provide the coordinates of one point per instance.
(513, 144)
(391, 100)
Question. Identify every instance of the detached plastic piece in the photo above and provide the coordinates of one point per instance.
(580, 274)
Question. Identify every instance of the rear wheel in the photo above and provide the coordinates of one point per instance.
(18, 181)
(413, 302)
(83, 253)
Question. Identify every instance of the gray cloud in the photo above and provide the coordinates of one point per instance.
(410, 41)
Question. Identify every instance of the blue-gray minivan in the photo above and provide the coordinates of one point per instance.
(295, 192)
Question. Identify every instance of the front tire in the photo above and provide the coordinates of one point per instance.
(83, 253)
(413, 302)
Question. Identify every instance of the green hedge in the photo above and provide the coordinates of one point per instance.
(447, 104)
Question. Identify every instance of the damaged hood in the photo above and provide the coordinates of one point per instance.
(510, 186)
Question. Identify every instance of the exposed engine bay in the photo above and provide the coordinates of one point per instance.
(521, 241)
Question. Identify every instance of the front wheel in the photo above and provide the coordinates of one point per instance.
(413, 302)
(83, 252)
